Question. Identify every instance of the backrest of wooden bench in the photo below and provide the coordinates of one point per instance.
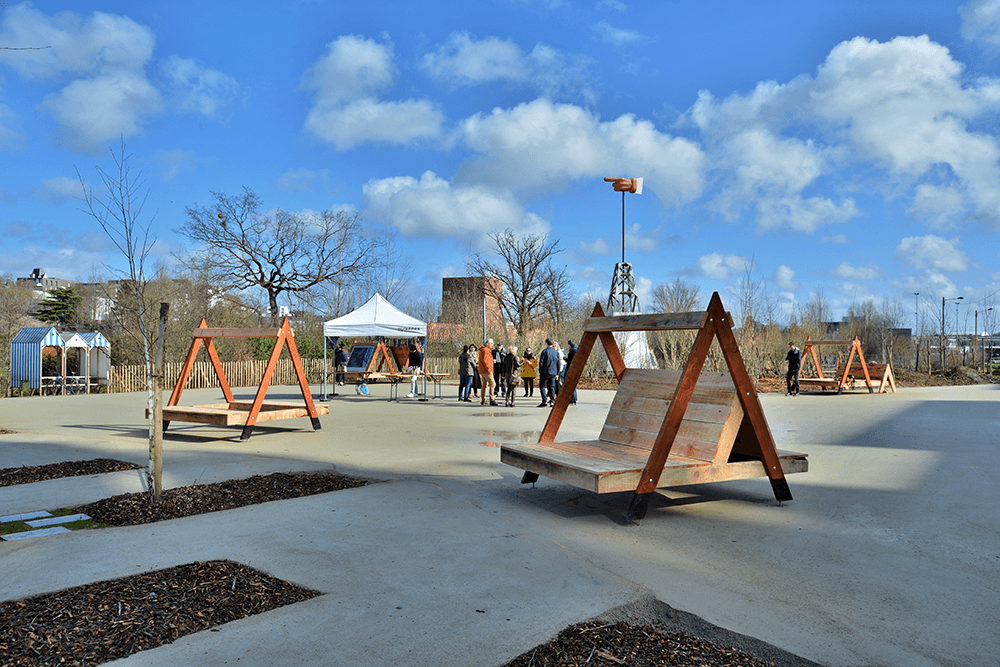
(712, 417)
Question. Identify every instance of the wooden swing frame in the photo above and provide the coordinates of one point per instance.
(855, 363)
(742, 445)
(234, 412)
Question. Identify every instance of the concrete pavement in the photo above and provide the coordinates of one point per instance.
(888, 555)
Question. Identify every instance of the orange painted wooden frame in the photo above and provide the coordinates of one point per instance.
(283, 336)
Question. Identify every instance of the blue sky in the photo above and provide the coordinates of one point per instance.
(847, 148)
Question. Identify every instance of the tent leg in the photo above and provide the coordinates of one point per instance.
(639, 505)
(315, 423)
(166, 423)
(247, 430)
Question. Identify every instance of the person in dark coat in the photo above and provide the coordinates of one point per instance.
(465, 370)
(548, 369)
(511, 375)
(569, 362)
(340, 362)
(794, 359)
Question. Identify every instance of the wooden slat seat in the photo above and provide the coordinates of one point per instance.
(237, 412)
(703, 450)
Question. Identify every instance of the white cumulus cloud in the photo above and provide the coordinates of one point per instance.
(538, 146)
(900, 111)
(466, 61)
(847, 272)
(784, 278)
(198, 88)
(432, 207)
(346, 112)
(981, 21)
(719, 267)
(933, 253)
(112, 96)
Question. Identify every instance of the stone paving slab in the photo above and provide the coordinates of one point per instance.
(23, 517)
(41, 532)
(56, 520)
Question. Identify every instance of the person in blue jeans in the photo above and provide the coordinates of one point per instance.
(548, 369)
(465, 370)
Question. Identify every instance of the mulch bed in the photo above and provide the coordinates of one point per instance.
(108, 620)
(133, 509)
(596, 643)
(29, 474)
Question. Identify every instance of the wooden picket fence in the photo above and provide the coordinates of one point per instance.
(239, 374)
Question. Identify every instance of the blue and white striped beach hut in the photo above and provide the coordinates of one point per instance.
(98, 358)
(26, 354)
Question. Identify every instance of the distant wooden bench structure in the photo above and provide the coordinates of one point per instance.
(247, 413)
(848, 372)
(664, 428)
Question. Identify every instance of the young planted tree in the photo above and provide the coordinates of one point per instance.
(119, 210)
(241, 247)
(532, 285)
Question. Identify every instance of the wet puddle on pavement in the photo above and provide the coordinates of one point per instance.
(510, 437)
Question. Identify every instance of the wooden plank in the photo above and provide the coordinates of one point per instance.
(234, 333)
(603, 468)
(204, 415)
(651, 322)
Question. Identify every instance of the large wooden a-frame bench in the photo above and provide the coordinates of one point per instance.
(707, 447)
(664, 428)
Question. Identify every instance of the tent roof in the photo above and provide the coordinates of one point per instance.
(45, 336)
(377, 317)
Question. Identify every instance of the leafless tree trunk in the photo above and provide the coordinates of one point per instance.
(119, 212)
(532, 283)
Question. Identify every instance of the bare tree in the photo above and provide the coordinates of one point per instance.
(16, 300)
(119, 211)
(242, 247)
(673, 347)
(391, 269)
(526, 270)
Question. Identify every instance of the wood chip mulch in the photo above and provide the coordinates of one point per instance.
(108, 620)
(30, 474)
(133, 509)
(595, 643)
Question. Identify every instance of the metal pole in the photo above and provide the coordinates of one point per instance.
(942, 335)
(623, 226)
(916, 324)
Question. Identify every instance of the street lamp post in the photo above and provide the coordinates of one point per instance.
(982, 342)
(916, 324)
(943, 301)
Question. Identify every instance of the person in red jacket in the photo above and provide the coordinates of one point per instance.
(485, 368)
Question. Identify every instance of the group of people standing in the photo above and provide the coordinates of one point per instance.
(488, 371)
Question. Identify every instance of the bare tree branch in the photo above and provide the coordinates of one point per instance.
(241, 247)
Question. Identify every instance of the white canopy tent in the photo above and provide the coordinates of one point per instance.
(377, 318)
